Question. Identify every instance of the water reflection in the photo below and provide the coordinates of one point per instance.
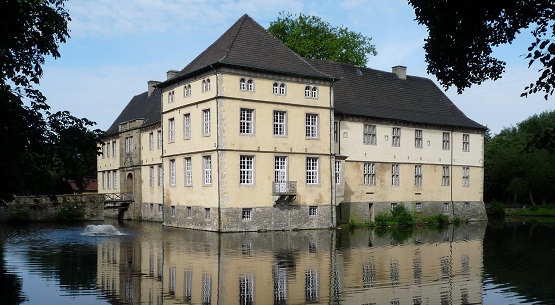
(176, 266)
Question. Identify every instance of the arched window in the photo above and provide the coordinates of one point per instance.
(203, 85)
(282, 89)
(242, 84)
(314, 92)
(307, 91)
(276, 88)
(250, 85)
(208, 85)
(189, 90)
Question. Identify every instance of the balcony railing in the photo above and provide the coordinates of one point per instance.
(285, 188)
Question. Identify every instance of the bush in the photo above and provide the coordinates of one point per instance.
(497, 209)
(19, 216)
(402, 216)
(457, 221)
(69, 213)
(381, 220)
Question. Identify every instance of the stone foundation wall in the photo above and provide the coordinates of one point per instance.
(280, 217)
(47, 208)
(362, 212)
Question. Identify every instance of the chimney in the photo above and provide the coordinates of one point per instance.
(151, 86)
(171, 74)
(400, 71)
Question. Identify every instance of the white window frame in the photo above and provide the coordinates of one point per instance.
(335, 132)
(337, 172)
(445, 143)
(280, 123)
(171, 128)
(446, 207)
(206, 122)
(246, 121)
(313, 211)
(160, 175)
(188, 171)
(275, 88)
(151, 141)
(243, 84)
(114, 149)
(396, 136)
(107, 149)
(312, 170)
(307, 91)
(151, 175)
(311, 129)
(171, 97)
(187, 90)
(445, 176)
(108, 179)
(466, 142)
(282, 89)
(466, 176)
(250, 85)
(314, 92)
(369, 173)
(187, 126)
(369, 134)
(207, 169)
(159, 136)
(172, 173)
(419, 206)
(246, 214)
(246, 170)
(115, 180)
(395, 176)
(418, 138)
(418, 175)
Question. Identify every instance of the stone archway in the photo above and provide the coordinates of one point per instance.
(129, 187)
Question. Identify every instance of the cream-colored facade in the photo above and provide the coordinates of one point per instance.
(245, 139)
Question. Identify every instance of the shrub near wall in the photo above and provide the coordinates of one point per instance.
(54, 208)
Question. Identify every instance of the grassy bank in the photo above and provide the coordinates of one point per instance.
(547, 210)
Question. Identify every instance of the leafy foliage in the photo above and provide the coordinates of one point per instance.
(462, 35)
(310, 36)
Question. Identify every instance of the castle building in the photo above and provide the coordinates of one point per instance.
(251, 136)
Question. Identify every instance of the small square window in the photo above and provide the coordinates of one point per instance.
(446, 207)
(189, 212)
(419, 206)
(312, 211)
(246, 214)
(207, 213)
(393, 205)
(466, 206)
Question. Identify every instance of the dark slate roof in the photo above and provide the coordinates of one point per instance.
(141, 106)
(246, 44)
(367, 92)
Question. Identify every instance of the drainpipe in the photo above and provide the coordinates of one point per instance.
(333, 194)
(217, 152)
(162, 160)
(451, 173)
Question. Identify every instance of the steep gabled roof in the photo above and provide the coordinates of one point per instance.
(378, 94)
(141, 106)
(246, 44)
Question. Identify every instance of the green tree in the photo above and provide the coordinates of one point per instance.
(310, 36)
(462, 35)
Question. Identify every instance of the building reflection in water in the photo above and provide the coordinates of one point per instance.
(177, 266)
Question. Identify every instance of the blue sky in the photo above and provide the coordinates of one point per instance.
(117, 46)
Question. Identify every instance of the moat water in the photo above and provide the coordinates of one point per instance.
(145, 263)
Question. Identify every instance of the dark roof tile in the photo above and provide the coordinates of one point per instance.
(141, 106)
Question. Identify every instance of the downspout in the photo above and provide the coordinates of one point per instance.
(333, 194)
(217, 152)
(451, 173)
(162, 159)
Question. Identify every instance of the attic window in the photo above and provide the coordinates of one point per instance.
(206, 85)
(311, 92)
(187, 90)
(279, 89)
(358, 72)
(246, 85)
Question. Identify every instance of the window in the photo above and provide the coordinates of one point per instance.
(396, 136)
(246, 121)
(250, 85)
(103, 151)
(446, 207)
(151, 141)
(418, 175)
(188, 172)
(311, 126)
(107, 149)
(280, 174)
(159, 135)
(311, 92)
(187, 90)
(393, 205)
(207, 213)
(395, 174)
(466, 142)
(418, 138)
(280, 123)
(173, 210)
(419, 206)
(207, 169)
(246, 289)
(445, 144)
(151, 175)
(160, 175)
(171, 97)
(188, 285)
(335, 132)
(445, 176)
(279, 89)
(369, 174)
(312, 211)
(369, 137)
(206, 122)
(242, 84)
(312, 170)
(115, 177)
(466, 206)
(337, 172)
(466, 176)
(311, 286)
(246, 169)
(206, 85)
(114, 149)
(246, 213)
(172, 172)
(189, 212)
(187, 126)
(108, 180)
(171, 128)
(206, 288)
(128, 144)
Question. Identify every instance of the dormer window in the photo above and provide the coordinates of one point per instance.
(311, 92)
(206, 85)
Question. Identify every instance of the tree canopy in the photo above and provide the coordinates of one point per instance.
(462, 35)
(38, 148)
(310, 36)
